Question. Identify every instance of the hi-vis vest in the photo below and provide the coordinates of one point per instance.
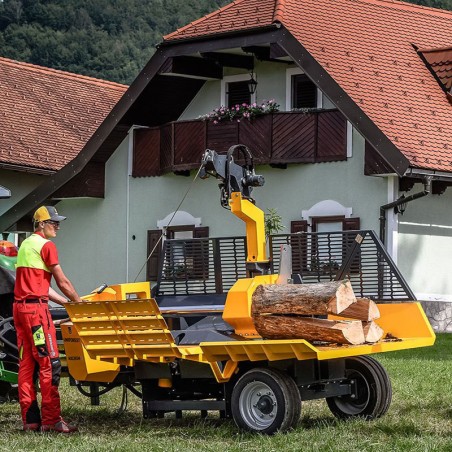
(30, 253)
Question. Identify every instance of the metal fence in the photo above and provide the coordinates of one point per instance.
(212, 265)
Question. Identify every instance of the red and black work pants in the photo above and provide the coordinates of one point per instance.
(38, 354)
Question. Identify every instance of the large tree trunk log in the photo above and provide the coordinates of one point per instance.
(305, 299)
(372, 332)
(364, 309)
(283, 327)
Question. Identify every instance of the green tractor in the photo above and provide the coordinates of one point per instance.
(9, 362)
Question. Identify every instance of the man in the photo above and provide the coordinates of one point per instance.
(37, 262)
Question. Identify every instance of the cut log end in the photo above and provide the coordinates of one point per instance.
(364, 309)
(372, 332)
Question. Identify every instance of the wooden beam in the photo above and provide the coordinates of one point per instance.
(264, 53)
(230, 60)
(193, 67)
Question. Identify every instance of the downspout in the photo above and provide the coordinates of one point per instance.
(402, 200)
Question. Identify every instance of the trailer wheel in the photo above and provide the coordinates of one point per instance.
(373, 390)
(385, 385)
(265, 401)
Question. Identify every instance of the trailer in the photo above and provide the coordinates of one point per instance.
(190, 343)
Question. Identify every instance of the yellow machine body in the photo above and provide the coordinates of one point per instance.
(237, 310)
(118, 332)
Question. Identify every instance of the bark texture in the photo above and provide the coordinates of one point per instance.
(296, 327)
(303, 299)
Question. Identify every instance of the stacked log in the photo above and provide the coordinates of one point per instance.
(284, 311)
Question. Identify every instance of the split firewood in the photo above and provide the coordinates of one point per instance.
(296, 327)
(372, 332)
(304, 299)
(364, 309)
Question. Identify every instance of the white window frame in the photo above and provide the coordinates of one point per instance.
(230, 79)
(298, 71)
(326, 208)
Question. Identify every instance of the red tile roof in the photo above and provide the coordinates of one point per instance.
(47, 116)
(367, 47)
(440, 61)
(238, 15)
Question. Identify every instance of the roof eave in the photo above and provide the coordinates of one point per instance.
(216, 35)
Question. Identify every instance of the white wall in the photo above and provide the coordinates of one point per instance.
(425, 251)
(20, 184)
(271, 85)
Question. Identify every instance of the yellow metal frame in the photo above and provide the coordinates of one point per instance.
(237, 309)
(104, 334)
(254, 219)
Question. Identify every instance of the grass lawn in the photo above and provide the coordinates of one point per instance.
(419, 419)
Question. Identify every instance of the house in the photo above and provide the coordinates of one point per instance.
(47, 116)
(362, 139)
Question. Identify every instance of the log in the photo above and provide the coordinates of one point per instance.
(364, 309)
(304, 299)
(372, 332)
(284, 327)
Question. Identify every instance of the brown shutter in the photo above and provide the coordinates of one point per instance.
(201, 232)
(153, 264)
(146, 152)
(200, 253)
(299, 245)
(351, 224)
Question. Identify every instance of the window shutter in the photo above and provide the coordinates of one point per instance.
(201, 232)
(299, 243)
(304, 92)
(153, 264)
(201, 254)
(238, 93)
(351, 224)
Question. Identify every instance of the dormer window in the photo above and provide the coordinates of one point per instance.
(439, 61)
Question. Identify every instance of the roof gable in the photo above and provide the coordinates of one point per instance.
(440, 61)
(48, 115)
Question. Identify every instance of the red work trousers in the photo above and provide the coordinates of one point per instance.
(38, 354)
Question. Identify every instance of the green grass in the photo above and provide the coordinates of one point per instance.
(419, 419)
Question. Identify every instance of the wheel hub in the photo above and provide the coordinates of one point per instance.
(265, 404)
(258, 405)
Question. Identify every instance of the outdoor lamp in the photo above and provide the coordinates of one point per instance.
(252, 83)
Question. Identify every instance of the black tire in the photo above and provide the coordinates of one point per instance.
(265, 401)
(373, 389)
(385, 385)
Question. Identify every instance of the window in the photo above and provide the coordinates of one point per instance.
(238, 93)
(183, 260)
(323, 253)
(234, 90)
(304, 92)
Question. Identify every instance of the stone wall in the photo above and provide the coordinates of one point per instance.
(440, 315)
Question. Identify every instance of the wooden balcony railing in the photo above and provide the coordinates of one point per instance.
(277, 138)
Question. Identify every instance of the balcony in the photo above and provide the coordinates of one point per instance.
(274, 139)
